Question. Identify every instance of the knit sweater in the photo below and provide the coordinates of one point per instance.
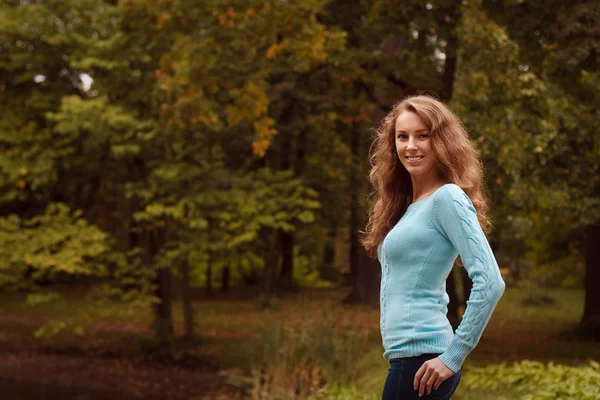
(416, 257)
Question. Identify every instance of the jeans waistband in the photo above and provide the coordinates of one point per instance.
(422, 356)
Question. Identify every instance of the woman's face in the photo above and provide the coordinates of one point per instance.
(413, 145)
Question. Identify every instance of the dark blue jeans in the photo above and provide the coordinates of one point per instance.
(401, 375)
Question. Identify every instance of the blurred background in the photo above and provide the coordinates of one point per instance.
(182, 184)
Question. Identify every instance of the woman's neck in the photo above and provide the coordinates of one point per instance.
(424, 186)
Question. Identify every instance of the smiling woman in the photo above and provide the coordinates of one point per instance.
(430, 208)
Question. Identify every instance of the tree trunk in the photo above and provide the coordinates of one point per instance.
(287, 161)
(360, 272)
(287, 260)
(267, 279)
(449, 68)
(366, 271)
(326, 269)
(287, 238)
(589, 327)
(186, 297)
(446, 94)
(208, 287)
(163, 309)
(300, 153)
(270, 270)
(225, 279)
(209, 262)
(366, 282)
(163, 315)
(297, 163)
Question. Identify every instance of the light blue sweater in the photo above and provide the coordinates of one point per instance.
(416, 258)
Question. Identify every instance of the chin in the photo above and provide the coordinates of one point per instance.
(415, 170)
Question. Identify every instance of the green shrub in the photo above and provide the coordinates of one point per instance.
(537, 381)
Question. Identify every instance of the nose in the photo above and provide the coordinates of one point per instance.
(411, 145)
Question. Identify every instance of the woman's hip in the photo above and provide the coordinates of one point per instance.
(401, 376)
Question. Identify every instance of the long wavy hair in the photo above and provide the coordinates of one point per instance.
(459, 163)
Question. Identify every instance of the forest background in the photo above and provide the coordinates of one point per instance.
(203, 155)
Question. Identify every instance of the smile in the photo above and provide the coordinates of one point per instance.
(414, 159)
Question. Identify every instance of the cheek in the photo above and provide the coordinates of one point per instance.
(430, 149)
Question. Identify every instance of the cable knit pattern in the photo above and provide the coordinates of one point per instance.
(416, 257)
(384, 277)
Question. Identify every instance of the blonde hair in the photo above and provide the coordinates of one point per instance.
(459, 163)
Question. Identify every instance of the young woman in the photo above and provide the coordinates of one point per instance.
(430, 207)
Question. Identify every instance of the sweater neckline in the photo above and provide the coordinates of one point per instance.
(426, 197)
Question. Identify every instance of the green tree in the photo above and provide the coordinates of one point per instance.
(561, 179)
(52, 159)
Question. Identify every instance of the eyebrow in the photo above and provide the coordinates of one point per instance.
(418, 130)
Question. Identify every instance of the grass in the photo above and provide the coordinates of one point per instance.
(519, 331)
(234, 332)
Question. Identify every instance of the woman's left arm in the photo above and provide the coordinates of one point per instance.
(456, 219)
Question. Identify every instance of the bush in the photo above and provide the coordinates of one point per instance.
(537, 381)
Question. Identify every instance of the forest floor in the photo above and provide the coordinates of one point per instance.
(112, 362)
(116, 357)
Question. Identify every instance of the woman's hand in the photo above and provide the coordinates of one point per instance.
(431, 374)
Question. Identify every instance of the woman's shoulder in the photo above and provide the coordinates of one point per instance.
(453, 193)
(449, 189)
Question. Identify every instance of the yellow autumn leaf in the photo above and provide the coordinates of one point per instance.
(275, 49)
(272, 51)
(264, 133)
(251, 102)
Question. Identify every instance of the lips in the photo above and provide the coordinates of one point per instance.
(414, 159)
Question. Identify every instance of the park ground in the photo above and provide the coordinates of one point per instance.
(236, 338)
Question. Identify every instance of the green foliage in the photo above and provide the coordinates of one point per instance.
(39, 40)
(534, 131)
(272, 200)
(211, 127)
(200, 71)
(58, 241)
(304, 272)
(536, 380)
(55, 327)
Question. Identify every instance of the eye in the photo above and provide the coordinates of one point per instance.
(423, 136)
(402, 136)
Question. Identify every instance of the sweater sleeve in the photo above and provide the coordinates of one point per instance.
(456, 219)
